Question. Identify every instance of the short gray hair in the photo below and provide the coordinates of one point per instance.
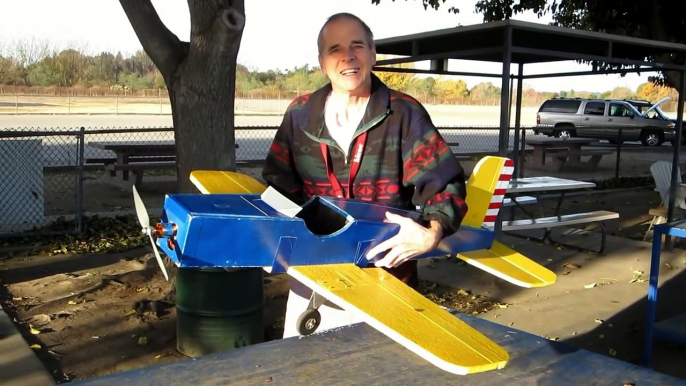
(341, 15)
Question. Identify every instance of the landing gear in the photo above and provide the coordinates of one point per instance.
(310, 319)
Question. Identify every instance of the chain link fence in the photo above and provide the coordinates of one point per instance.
(49, 176)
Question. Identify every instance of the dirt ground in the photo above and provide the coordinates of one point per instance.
(85, 310)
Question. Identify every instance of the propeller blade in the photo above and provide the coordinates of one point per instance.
(141, 212)
(158, 257)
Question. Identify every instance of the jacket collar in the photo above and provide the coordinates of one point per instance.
(379, 103)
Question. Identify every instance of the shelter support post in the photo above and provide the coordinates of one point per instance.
(504, 139)
(518, 118)
(675, 154)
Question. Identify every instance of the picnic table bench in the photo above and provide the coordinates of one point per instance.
(566, 152)
(540, 185)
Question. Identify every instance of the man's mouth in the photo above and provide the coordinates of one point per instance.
(350, 71)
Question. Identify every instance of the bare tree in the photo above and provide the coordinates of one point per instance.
(200, 76)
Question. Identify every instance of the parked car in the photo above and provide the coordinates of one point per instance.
(605, 119)
(643, 106)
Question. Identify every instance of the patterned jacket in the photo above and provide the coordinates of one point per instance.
(406, 162)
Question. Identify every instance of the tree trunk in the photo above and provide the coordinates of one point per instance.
(200, 76)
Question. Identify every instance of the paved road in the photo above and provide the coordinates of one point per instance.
(253, 144)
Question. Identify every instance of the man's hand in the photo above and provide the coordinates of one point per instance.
(412, 240)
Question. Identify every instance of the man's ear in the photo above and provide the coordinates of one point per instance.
(373, 55)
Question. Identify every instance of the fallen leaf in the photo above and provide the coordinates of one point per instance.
(463, 292)
(130, 312)
(34, 331)
(599, 321)
(612, 352)
(35, 346)
(571, 266)
(587, 286)
(142, 341)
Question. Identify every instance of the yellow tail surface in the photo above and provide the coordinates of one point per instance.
(510, 266)
(486, 189)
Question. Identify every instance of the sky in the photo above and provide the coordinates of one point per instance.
(279, 34)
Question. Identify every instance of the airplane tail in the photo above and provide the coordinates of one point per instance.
(485, 193)
(486, 189)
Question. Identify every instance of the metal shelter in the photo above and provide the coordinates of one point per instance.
(516, 42)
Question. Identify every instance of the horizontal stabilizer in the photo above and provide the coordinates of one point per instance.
(510, 265)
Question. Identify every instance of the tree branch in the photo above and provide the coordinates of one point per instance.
(658, 32)
(162, 46)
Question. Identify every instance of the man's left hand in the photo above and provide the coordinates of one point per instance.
(412, 240)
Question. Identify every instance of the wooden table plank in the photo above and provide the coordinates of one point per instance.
(360, 355)
(540, 184)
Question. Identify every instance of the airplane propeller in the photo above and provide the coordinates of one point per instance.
(144, 220)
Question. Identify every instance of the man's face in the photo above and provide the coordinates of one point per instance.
(347, 57)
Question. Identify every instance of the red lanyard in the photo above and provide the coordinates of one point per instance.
(358, 149)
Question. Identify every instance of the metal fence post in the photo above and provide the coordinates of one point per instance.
(79, 179)
(619, 153)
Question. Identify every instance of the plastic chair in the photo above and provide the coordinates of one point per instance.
(662, 175)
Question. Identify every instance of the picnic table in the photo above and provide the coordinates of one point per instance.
(360, 355)
(538, 186)
(566, 152)
(134, 157)
(672, 329)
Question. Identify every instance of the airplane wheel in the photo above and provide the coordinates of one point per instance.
(309, 321)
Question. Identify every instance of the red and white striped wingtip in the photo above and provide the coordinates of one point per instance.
(499, 194)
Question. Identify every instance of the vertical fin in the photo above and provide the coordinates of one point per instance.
(486, 189)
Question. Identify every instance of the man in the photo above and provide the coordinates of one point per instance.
(356, 129)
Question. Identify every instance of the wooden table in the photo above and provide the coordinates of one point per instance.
(560, 186)
(135, 157)
(543, 184)
(360, 355)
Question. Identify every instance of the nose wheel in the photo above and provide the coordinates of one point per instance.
(309, 320)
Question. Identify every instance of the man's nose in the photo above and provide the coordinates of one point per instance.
(348, 55)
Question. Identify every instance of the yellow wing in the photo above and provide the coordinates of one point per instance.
(510, 265)
(404, 315)
(218, 181)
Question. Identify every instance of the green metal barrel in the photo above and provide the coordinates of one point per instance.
(218, 309)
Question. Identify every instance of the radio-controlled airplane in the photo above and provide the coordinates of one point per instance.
(238, 222)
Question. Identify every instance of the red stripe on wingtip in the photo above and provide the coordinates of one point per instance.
(509, 162)
(505, 177)
(499, 192)
(494, 205)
